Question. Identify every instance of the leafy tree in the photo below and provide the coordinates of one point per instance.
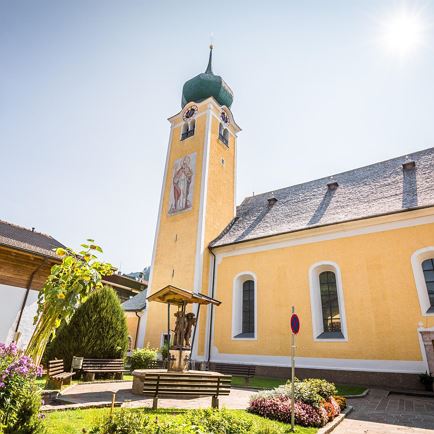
(97, 329)
(68, 285)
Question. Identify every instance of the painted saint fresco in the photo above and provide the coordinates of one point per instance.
(181, 191)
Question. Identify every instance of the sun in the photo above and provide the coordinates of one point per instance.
(403, 32)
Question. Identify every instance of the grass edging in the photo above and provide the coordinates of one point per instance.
(361, 395)
(335, 422)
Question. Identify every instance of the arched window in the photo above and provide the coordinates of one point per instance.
(327, 302)
(244, 307)
(223, 134)
(422, 262)
(188, 129)
(428, 274)
(248, 322)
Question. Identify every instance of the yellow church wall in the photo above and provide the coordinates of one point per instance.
(219, 208)
(174, 259)
(176, 239)
(381, 303)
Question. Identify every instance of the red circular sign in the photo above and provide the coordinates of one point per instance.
(295, 323)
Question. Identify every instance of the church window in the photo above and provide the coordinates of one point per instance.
(223, 134)
(428, 274)
(248, 321)
(244, 307)
(422, 262)
(188, 128)
(327, 302)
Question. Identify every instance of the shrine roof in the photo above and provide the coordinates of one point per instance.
(173, 295)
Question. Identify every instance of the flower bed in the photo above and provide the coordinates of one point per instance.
(315, 404)
(20, 398)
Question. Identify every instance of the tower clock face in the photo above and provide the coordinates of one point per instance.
(190, 112)
(224, 117)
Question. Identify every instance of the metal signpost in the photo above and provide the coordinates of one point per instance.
(295, 328)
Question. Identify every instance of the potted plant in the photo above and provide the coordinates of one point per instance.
(427, 380)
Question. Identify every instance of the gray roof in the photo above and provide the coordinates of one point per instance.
(136, 303)
(28, 240)
(378, 189)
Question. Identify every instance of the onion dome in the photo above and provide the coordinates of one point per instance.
(205, 85)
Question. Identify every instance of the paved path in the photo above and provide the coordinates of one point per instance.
(381, 413)
(98, 393)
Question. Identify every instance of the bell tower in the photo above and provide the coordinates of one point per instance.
(197, 198)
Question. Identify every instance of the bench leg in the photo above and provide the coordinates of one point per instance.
(89, 376)
(119, 376)
(54, 384)
(215, 402)
(155, 403)
(67, 380)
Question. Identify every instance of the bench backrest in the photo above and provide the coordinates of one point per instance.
(241, 370)
(181, 384)
(156, 364)
(55, 367)
(103, 364)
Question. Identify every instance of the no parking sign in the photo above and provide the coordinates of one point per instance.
(295, 323)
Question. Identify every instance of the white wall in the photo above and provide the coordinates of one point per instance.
(11, 298)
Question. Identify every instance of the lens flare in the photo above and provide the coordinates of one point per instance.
(403, 32)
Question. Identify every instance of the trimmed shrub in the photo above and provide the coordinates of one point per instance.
(142, 357)
(20, 398)
(97, 330)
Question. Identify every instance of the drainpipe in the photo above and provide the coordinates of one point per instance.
(211, 316)
(138, 327)
(26, 295)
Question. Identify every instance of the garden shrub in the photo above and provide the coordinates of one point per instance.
(330, 410)
(341, 401)
(142, 357)
(323, 388)
(314, 403)
(97, 330)
(279, 408)
(207, 421)
(20, 398)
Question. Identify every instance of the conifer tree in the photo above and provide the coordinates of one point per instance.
(97, 329)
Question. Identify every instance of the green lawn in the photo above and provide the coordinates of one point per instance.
(270, 383)
(74, 421)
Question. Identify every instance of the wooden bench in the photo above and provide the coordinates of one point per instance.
(57, 375)
(91, 367)
(184, 385)
(246, 371)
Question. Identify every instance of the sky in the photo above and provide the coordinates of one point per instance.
(86, 88)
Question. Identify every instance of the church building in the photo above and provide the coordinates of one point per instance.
(353, 252)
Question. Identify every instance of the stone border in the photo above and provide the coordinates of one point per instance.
(361, 395)
(81, 406)
(335, 422)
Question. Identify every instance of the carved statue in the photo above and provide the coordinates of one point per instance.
(179, 329)
(190, 322)
(183, 329)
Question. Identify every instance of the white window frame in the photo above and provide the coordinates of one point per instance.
(422, 291)
(237, 305)
(315, 301)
